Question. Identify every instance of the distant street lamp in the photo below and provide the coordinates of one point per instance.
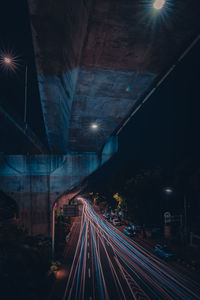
(169, 191)
(9, 62)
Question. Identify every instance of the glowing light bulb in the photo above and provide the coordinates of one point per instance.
(168, 190)
(94, 126)
(7, 60)
(158, 4)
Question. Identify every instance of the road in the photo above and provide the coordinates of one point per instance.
(109, 265)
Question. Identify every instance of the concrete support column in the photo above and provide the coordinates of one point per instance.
(36, 181)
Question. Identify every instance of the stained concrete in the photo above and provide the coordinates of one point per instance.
(87, 54)
(103, 96)
(59, 30)
(35, 182)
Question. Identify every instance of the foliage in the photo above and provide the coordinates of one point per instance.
(55, 266)
(57, 213)
(121, 203)
(141, 189)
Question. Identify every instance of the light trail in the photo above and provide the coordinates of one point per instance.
(119, 268)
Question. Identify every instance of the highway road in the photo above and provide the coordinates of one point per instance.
(109, 265)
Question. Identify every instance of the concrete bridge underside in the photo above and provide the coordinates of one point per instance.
(96, 60)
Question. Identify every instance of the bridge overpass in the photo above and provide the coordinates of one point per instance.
(97, 62)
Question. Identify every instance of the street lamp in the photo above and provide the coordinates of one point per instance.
(7, 60)
(158, 4)
(169, 191)
(94, 126)
(10, 62)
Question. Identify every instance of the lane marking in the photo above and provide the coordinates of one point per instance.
(88, 255)
(89, 274)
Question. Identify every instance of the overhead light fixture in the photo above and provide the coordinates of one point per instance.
(94, 126)
(158, 4)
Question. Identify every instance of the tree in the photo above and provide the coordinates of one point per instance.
(121, 203)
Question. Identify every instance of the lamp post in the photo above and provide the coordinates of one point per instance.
(25, 96)
(9, 62)
(169, 191)
(185, 218)
(95, 128)
(53, 230)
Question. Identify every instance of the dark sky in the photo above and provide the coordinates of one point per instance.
(167, 127)
(15, 37)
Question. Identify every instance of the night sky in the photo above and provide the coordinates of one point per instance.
(166, 128)
(15, 38)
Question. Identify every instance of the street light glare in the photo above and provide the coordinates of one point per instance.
(158, 4)
(8, 61)
(94, 126)
(168, 190)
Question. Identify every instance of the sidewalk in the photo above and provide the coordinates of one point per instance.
(61, 275)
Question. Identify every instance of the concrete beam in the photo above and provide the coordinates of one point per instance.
(59, 31)
(35, 182)
(109, 149)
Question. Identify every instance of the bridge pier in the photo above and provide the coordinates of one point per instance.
(35, 182)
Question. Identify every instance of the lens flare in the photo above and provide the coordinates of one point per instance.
(8, 61)
(158, 4)
(94, 126)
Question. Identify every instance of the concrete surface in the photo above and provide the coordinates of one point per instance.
(35, 182)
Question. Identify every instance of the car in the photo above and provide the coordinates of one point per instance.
(136, 228)
(113, 217)
(164, 252)
(106, 216)
(129, 231)
(116, 221)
